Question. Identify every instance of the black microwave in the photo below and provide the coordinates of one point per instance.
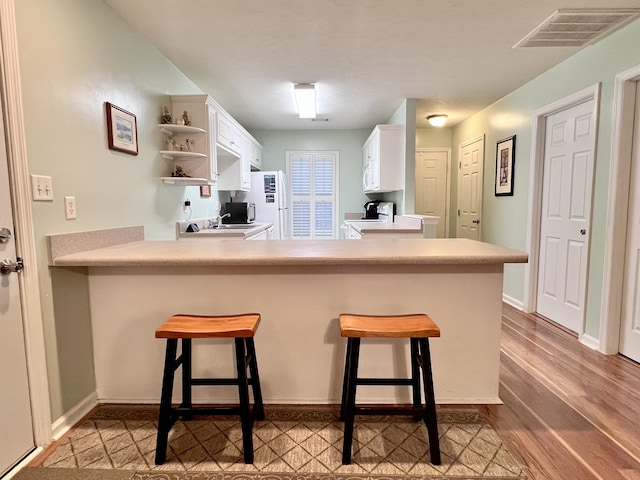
(240, 212)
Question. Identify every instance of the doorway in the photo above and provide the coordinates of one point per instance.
(560, 198)
(432, 186)
(470, 178)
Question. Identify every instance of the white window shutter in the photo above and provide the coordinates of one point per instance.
(314, 198)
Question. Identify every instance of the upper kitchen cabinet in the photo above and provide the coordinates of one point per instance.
(191, 147)
(383, 159)
(222, 146)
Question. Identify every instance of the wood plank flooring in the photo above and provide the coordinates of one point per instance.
(569, 412)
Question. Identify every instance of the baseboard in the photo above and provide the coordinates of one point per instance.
(23, 463)
(73, 416)
(589, 341)
(515, 303)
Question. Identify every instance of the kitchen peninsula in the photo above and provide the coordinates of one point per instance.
(300, 288)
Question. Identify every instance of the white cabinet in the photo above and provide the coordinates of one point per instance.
(229, 136)
(384, 159)
(256, 155)
(352, 233)
(190, 147)
(220, 153)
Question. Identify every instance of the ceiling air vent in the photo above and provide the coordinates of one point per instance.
(577, 28)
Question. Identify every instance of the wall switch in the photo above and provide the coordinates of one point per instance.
(42, 187)
(70, 207)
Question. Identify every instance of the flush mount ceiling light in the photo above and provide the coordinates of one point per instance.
(305, 99)
(437, 120)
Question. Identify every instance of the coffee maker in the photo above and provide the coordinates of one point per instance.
(371, 210)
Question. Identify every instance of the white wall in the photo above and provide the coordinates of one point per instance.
(75, 55)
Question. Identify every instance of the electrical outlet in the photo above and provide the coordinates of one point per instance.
(70, 207)
(42, 187)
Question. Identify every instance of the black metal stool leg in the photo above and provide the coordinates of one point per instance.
(164, 418)
(350, 404)
(186, 378)
(345, 380)
(415, 374)
(255, 379)
(243, 392)
(430, 418)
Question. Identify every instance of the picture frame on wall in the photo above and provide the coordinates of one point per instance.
(205, 190)
(122, 130)
(505, 157)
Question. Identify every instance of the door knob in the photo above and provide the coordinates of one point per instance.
(8, 266)
(5, 235)
(583, 231)
(476, 221)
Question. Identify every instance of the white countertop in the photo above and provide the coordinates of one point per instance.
(201, 252)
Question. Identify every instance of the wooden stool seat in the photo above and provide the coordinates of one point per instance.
(202, 326)
(242, 329)
(418, 328)
(398, 326)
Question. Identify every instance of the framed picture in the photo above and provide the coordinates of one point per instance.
(505, 156)
(205, 190)
(122, 130)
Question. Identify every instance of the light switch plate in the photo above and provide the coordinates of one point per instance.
(42, 187)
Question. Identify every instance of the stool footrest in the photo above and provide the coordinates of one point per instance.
(390, 410)
(384, 381)
(217, 381)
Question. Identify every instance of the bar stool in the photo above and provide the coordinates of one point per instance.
(418, 328)
(187, 327)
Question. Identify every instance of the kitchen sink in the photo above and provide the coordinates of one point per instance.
(232, 226)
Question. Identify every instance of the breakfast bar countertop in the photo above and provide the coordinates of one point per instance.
(200, 253)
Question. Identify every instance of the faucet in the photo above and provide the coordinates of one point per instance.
(219, 219)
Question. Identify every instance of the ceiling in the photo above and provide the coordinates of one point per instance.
(364, 56)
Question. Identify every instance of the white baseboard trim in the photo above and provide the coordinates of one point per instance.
(515, 303)
(589, 341)
(73, 416)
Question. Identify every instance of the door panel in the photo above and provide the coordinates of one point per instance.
(16, 431)
(432, 188)
(470, 189)
(566, 206)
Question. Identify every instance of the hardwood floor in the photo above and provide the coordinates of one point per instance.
(569, 412)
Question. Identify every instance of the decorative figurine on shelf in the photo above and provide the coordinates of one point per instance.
(182, 147)
(179, 172)
(189, 145)
(170, 144)
(179, 121)
(185, 117)
(166, 116)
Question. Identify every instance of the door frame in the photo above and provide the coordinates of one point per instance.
(622, 131)
(538, 136)
(447, 206)
(13, 117)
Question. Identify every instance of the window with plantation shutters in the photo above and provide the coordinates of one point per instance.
(313, 183)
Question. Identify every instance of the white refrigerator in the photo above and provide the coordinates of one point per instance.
(269, 193)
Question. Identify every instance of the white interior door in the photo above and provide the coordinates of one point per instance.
(16, 430)
(630, 328)
(470, 174)
(566, 213)
(432, 186)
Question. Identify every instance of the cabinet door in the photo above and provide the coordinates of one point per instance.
(245, 158)
(211, 129)
(256, 156)
(229, 136)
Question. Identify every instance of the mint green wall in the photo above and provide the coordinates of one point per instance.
(74, 56)
(433, 137)
(505, 218)
(275, 144)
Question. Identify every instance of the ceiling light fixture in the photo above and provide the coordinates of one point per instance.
(437, 120)
(305, 99)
